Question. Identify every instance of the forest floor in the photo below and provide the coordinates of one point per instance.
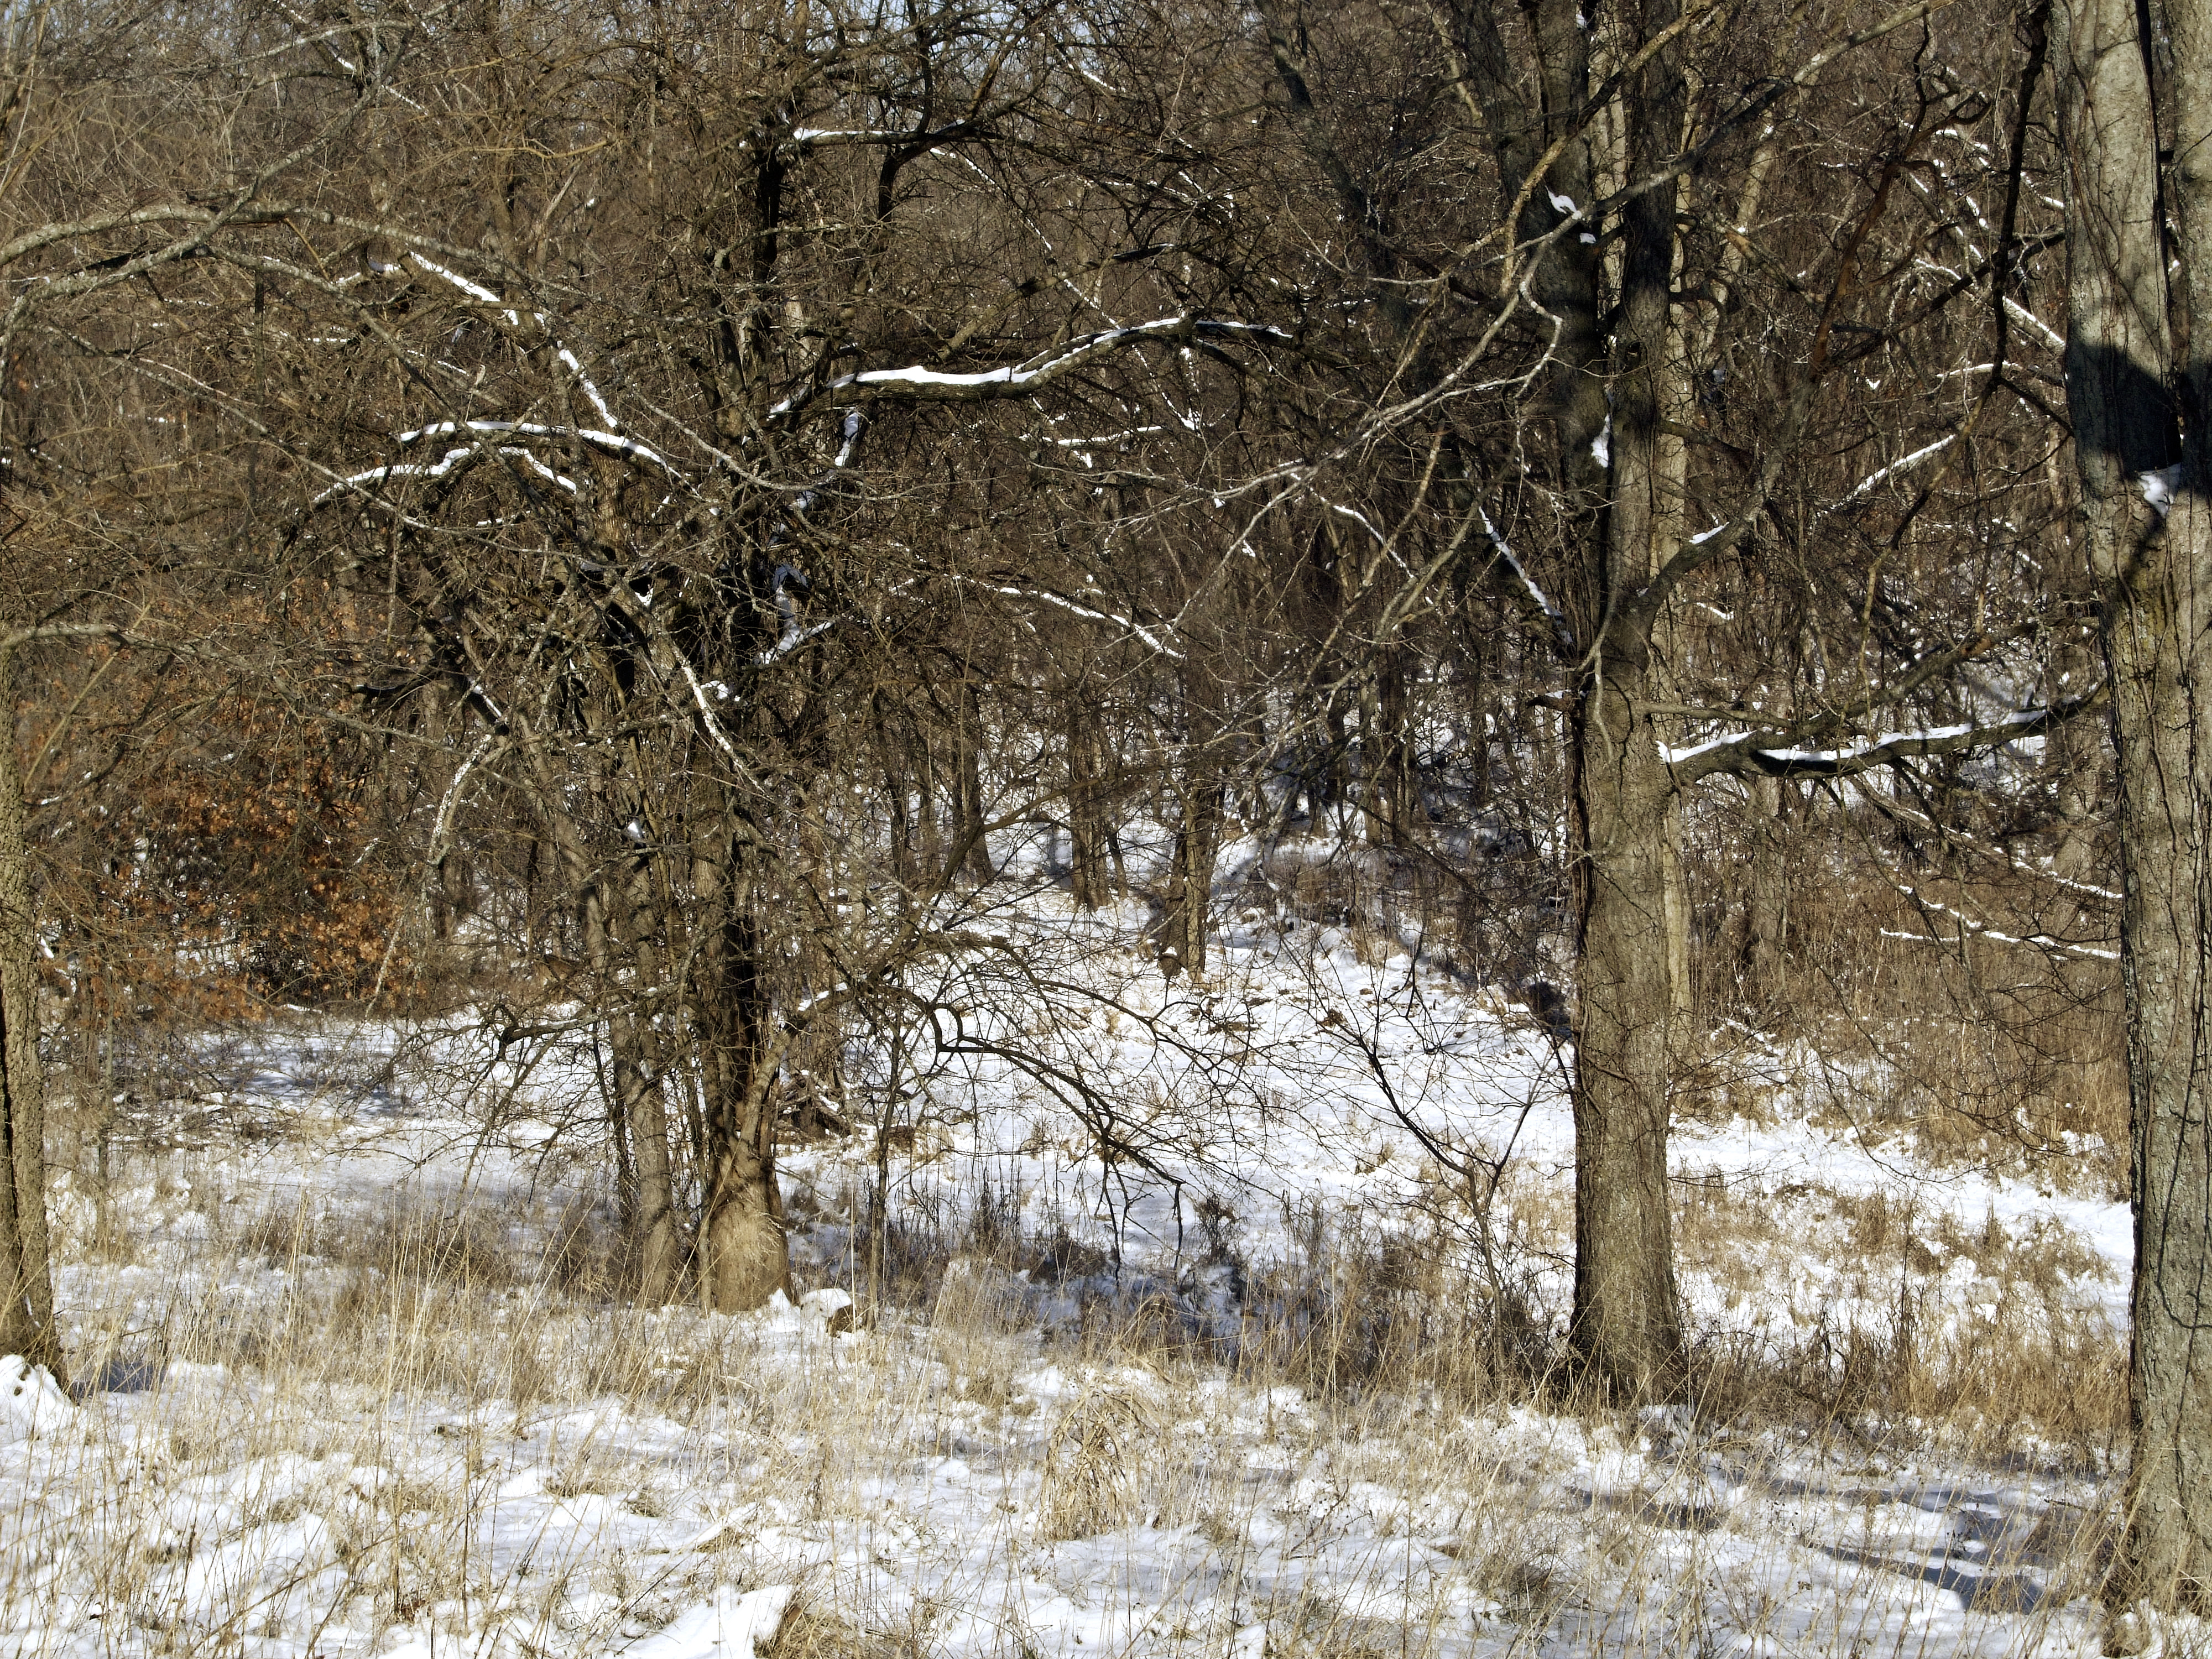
(1193, 1345)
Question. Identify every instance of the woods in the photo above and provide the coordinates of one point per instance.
(685, 529)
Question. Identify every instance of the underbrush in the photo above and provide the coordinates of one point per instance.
(336, 1432)
(322, 1418)
(1810, 1308)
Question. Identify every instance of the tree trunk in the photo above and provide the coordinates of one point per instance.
(743, 1257)
(2156, 581)
(898, 793)
(2159, 654)
(27, 1318)
(1086, 808)
(968, 842)
(1386, 745)
(656, 1253)
(640, 1066)
(1190, 878)
(1681, 1009)
(1670, 472)
(1626, 1325)
(1626, 1329)
(1765, 910)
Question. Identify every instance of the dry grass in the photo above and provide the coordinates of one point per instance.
(1930, 1016)
(415, 1365)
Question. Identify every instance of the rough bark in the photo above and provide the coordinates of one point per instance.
(2156, 585)
(1626, 1329)
(744, 1256)
(1387, 750)
(968, 836)
(27, 1318)
(1611, 498)
(2165, 737)
(1626, 1324)
(639, 1065)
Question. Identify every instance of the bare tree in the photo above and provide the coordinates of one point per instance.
(1545, 385)
(114, 191)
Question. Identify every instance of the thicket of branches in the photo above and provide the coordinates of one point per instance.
(622, 517)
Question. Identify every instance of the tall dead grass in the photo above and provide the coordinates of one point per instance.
(1931, 990)
(1366, 1362)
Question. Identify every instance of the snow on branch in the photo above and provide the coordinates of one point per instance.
(1136, 628)
(794, 636)
(1769, 752)
(2040, 870)
(916, 384)
(1563, 635)
(1363, 521)
(903, 139)
(2042, 331)
(567, 358)
(377, 476)
(1909, 462)
(707, 710)
(591, 392)
(474, 290)
(1967, 925)
(611, 443)
(1108, 441)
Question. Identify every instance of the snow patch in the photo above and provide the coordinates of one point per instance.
(31, 1403)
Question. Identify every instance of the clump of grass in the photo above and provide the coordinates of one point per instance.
(1092, 1457)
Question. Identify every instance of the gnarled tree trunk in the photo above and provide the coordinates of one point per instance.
(744, 1256)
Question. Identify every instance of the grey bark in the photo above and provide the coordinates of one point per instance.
(2155, 581)
(27, 1317)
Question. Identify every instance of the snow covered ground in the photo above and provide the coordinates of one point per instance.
(343, 1388)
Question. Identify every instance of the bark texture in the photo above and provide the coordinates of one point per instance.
(27, 1319)
(2155, 580)
(1626, 1325)
(1087, 809)
(744, 1256)
(1190, 876)
(1626, 1329)
(653, 1235)
(1766, 898)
